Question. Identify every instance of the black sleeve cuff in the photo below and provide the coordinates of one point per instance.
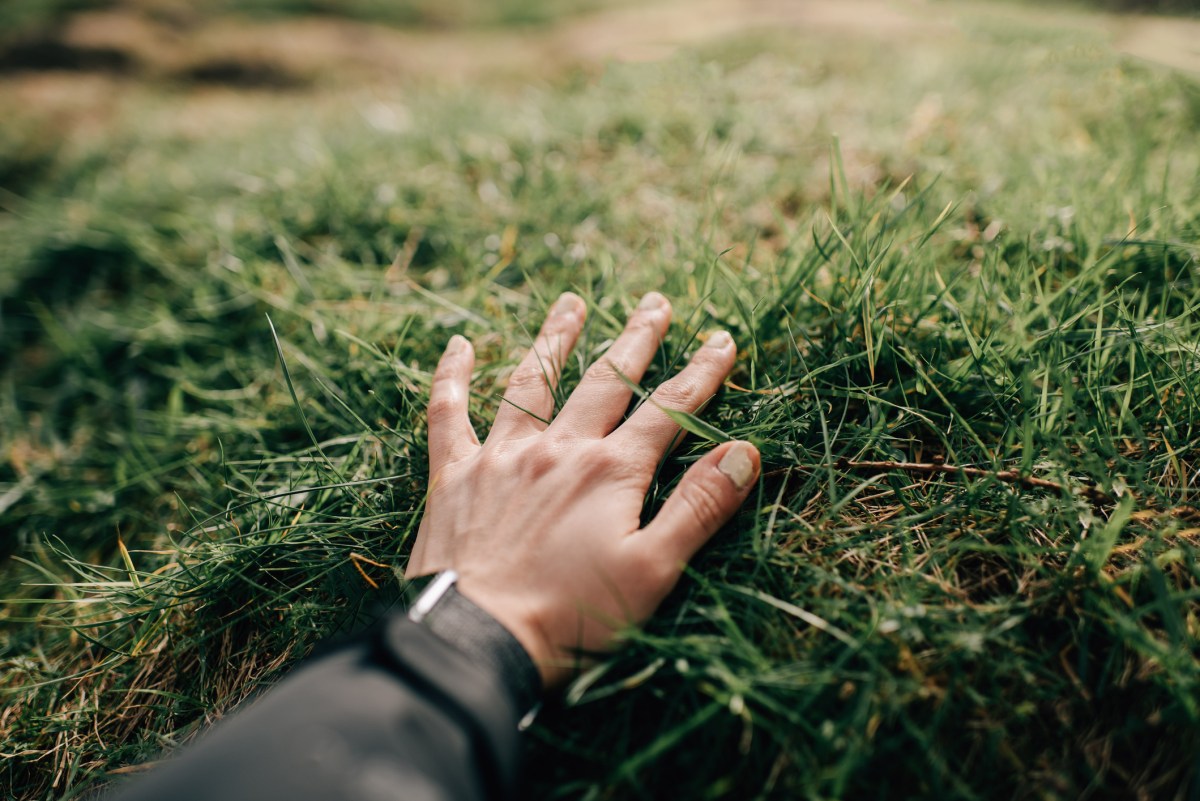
(484, 639)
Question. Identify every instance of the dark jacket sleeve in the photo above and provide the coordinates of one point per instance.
(406, 713)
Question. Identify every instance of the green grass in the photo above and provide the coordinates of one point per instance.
(982, 250)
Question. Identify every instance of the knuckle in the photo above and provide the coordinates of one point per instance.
(442, 406)
(539, 461)
(705, 503)
(527, 376)
(678, 393)
(606, 462)
(606, 373)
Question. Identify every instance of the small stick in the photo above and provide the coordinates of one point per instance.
(398, 271)
(355, 559)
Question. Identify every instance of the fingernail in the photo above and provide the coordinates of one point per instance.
(567, 303)
(651, 300)
(737, 464)
(456, 345)
(718, 339)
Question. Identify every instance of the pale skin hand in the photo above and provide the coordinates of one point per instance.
(541, 522)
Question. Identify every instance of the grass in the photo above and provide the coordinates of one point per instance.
(980, 248)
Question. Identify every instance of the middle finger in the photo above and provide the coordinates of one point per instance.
(600, 400)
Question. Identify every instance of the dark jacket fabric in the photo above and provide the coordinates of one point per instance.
(404, 714)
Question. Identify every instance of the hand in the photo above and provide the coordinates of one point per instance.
(541, 522)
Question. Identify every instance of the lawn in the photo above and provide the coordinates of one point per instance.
(956, 244)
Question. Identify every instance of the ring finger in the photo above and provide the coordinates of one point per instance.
(600, 400)
(528, 401)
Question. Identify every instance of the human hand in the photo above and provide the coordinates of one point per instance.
(541, 522)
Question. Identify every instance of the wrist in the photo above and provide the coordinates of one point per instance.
(554, 666)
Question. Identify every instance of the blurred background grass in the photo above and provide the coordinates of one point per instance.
(25, 16)
(964, 232)
(22, 16)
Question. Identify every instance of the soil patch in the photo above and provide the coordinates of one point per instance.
(242, 74)
(40, 55)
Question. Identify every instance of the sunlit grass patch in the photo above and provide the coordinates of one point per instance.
(962, 278)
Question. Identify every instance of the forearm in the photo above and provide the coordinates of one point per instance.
(402, 714)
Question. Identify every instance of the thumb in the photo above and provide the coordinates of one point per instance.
(707, 496)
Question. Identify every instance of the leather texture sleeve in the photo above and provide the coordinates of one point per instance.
(405, 714)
